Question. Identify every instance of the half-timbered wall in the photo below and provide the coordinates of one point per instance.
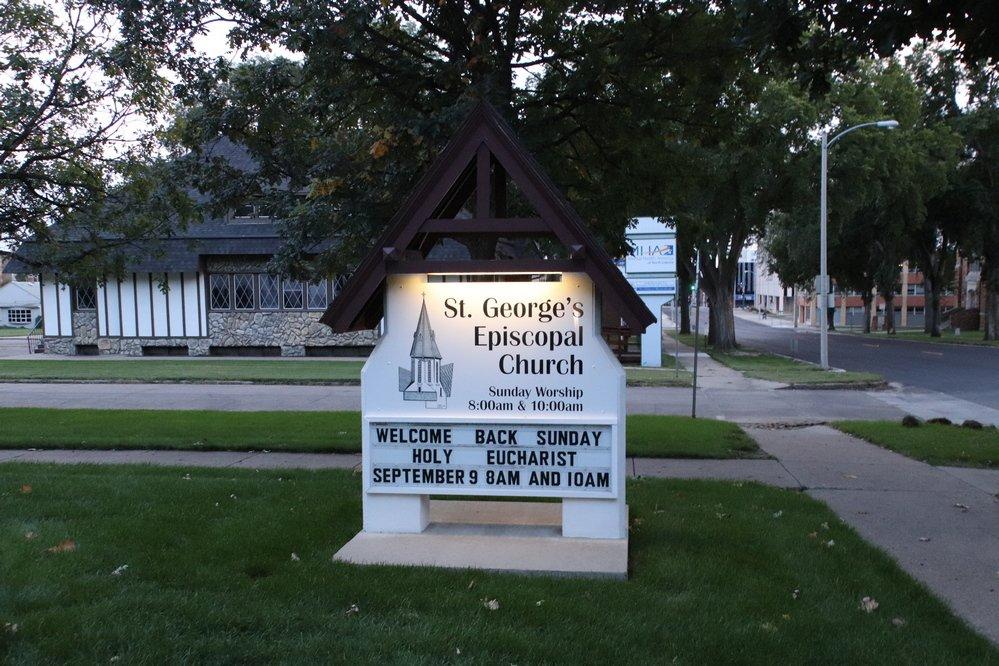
(57, 309)
(152, 305)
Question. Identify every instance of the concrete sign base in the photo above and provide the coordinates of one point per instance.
(518, 537)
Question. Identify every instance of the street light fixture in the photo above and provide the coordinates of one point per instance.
(823, 287)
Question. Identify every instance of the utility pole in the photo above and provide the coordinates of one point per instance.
(697, 328)
(823, 286)
(823, 268)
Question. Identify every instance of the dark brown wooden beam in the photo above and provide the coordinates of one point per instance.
(499, 190)
(489, 225)
(486, 266)
(483, 182)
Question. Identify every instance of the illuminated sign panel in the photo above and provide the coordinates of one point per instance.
(493, 388)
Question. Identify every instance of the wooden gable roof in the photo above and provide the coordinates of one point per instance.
(483, 147)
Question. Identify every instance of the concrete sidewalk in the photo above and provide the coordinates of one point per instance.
(739, 405)
(940, 524)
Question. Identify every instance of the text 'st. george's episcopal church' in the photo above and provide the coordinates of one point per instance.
(426, 380)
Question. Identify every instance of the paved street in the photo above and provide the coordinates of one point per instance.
(963, 371)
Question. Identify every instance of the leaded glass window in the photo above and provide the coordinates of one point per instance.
(220, 299)
(86, 298)
(269, 292)
(317, 296)
(292, 296)
(242, 291)
(338, 283)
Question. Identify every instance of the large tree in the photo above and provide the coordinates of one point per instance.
(978, 180)
(76, 102)
(740, 171)
(880, 185)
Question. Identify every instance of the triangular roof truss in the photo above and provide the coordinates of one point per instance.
(482, 155)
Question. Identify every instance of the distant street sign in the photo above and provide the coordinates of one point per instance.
(651, 255)
(665, 286)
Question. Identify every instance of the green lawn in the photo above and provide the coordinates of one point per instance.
(665, 376)
(719, 573)
(258, 371)
(197, 370)
(948, 337)
(653, 436)
(932, 443)
(12, 332)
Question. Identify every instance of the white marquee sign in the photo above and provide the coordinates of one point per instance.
(493, 388)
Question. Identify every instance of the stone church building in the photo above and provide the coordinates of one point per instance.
(204, 291)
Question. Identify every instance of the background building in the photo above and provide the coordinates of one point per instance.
(203, 291)
(20, 304)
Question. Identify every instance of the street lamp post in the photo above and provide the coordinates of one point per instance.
(823, 287)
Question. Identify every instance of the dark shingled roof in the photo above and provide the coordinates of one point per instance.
(181, 251)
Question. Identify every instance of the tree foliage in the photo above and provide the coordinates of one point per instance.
(881, 185)
(72, 92)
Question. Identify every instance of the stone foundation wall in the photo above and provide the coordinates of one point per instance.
(84, 327)
(291, 331)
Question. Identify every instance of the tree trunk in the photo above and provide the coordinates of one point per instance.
(722, 316)
(712, 329)
(868, 301)
(990, 277)
(683, 302)
(889, 300)
(931, 307)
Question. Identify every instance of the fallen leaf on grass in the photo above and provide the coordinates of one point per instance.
(767, 626)
(491, 604)
(825, 526)
(353, 610)
(10, 627)
(186, 477)
(295, 557)
(471, 584)
(898, 621)
(120, 570)
(25, 488)
(830, 543)
(813, 535)
(65, 546)
(30, 535)
(796, 593)
(778, 514)
(868, 604)
(539, 602)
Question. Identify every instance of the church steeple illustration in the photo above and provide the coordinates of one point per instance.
(426, 380)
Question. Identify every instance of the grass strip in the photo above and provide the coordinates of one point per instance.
(44, 428)
(974, 338)
(720, 572)
(932, 443)
(13, 332)
(772, 367)
(257, 371)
